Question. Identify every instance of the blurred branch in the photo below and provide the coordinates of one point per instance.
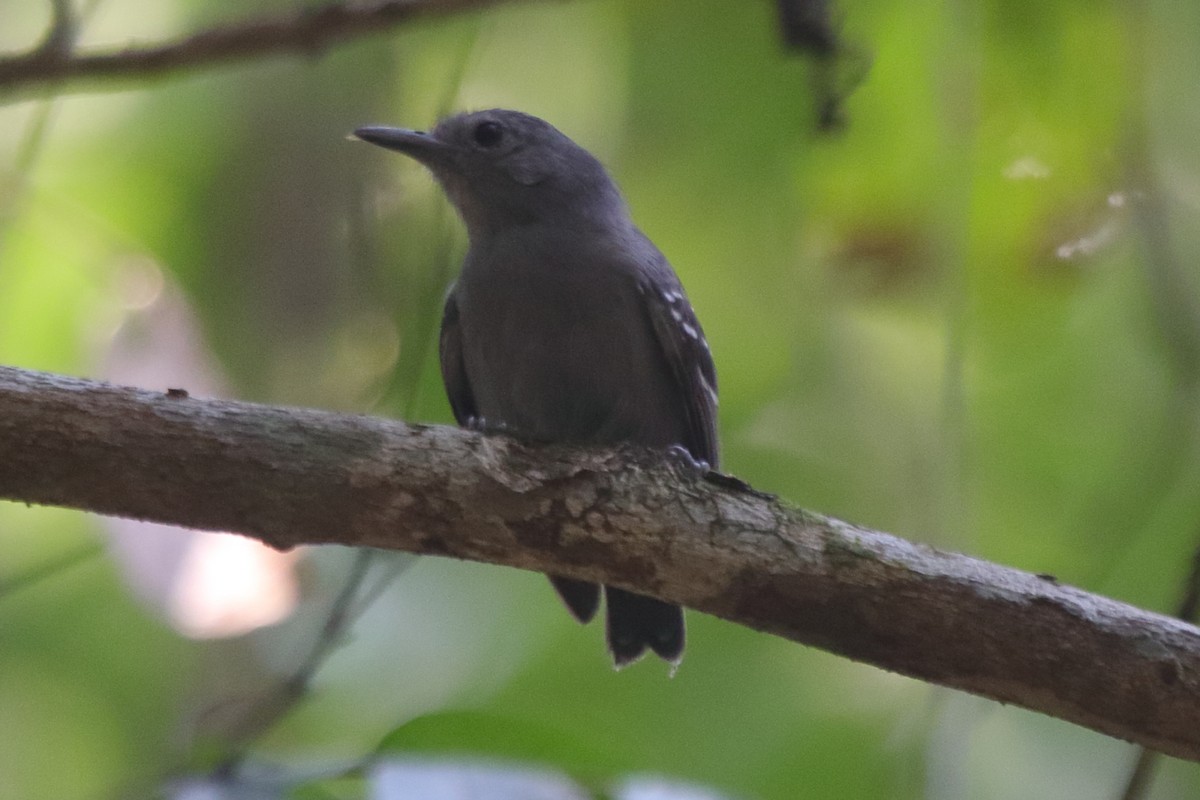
(621, 516)
(260, 716)
(308, 31)
(809, 27)
(60, 37)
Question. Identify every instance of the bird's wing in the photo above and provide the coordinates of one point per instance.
(686, 352)
(454, 373)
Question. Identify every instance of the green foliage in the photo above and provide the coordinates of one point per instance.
(954, 320)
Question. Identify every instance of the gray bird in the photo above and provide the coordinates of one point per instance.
(566, 324)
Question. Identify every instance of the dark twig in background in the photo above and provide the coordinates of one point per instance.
(309, 31)
(349, 604)
(809, 28)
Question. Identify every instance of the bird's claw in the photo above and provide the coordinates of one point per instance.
(679, 455)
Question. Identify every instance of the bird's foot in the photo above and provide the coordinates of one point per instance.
(678, 455)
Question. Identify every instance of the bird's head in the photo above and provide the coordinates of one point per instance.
(502, 168)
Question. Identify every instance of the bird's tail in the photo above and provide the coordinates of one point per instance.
(636, 622)
(582, 598)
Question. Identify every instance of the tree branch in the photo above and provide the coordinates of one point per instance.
(625, 517)
(308, 31)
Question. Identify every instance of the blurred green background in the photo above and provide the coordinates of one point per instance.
(969, 318)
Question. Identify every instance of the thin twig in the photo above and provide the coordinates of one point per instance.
(349, 604)
(307, 32)
(60, 38)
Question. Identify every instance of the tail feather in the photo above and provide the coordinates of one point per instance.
(581, 598)
(636, 622)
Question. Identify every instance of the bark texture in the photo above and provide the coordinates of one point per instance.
(625, 517)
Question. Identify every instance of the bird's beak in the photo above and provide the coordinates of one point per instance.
(416, 144)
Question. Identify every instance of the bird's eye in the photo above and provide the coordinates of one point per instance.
(488, 134)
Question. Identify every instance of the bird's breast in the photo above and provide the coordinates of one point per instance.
(565, 355)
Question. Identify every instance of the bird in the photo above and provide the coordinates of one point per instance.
(566, 324)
